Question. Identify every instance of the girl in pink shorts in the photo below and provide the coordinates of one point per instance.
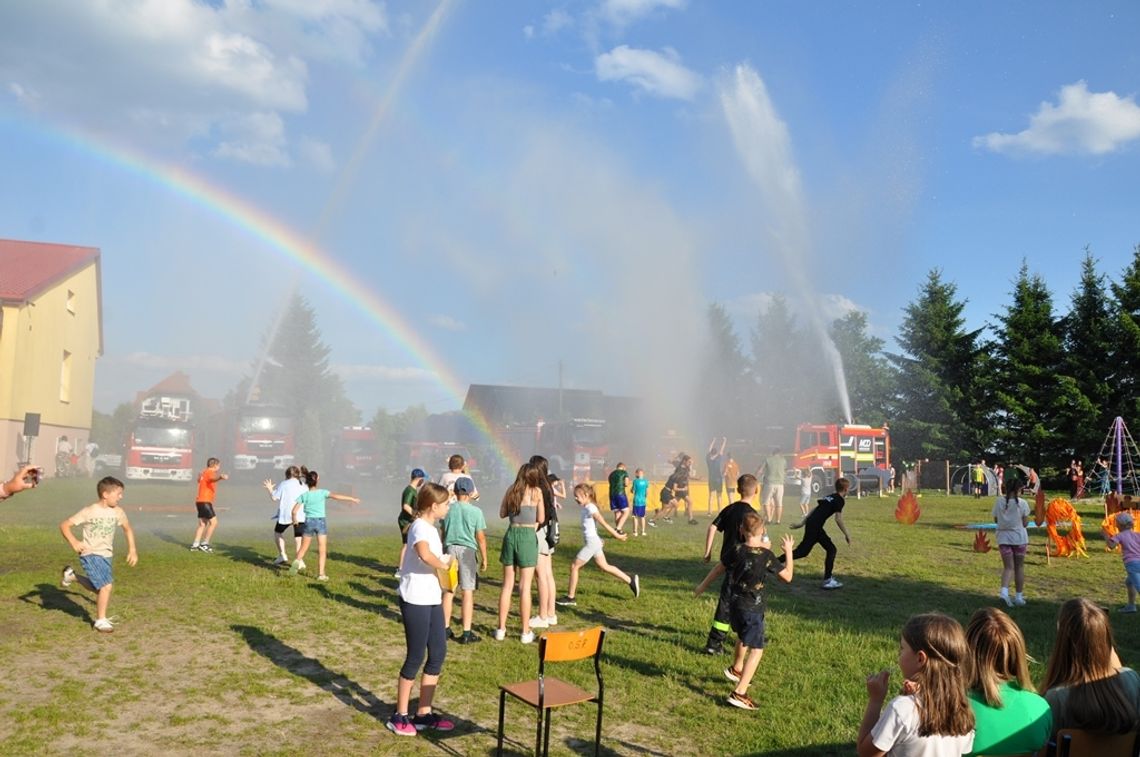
(1011, 513)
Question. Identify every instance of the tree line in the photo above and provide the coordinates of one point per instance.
(1035, 386)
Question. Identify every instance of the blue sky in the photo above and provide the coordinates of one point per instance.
(571, 181)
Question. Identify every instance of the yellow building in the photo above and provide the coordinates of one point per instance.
(51, 332)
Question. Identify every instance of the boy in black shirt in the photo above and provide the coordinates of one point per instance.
(727, 522)
(814, 534)
(748, 568)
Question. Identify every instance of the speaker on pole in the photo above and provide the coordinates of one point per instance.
(31, 424)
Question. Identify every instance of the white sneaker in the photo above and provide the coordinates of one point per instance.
(551, 621)
(831, 583)
(1019, 601)
(67, 578)
(500, 634)
(527, 638)
(301, 565)
(538, 623)
(102, 625)
(281, 560)
(1005, 598)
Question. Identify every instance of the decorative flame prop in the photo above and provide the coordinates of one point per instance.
(907, 511)
(981, 542)
(1072, 543)
(1110, 527)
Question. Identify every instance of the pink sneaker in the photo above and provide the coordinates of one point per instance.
(432, 721)
(400, 725)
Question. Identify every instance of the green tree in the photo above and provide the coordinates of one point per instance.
(1125, 400)
(783, 384)
(942, 399)
(1091, 355)
(870, 376)
(725, 385)
(109, 431)
(1039, 404)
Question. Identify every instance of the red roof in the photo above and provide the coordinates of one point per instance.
(29, 268)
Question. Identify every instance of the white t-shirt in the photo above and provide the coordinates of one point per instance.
(1009, 521)
(896, 733)
(286, 494)
(447, 481)
(418, 584)
(589, 525)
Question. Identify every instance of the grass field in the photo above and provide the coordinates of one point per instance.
(225, 654)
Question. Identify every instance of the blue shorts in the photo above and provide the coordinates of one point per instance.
(98, 570)
(1133, 568)
(315, 526)
(618, 501)
(749, 626)
(639, 510)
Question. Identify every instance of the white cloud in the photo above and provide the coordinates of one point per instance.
(23, 94)
(317, 154)
(361, 372)
(447, 323)
(528, 31)
(624, 12)
(257, 138)
(661, 75)
(556, 20)
(1080, 123)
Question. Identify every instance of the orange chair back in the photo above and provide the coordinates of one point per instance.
(561, 646)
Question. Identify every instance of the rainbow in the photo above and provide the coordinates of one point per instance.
(294, 246)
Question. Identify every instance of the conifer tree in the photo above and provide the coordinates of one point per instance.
(1125, 387)
(725, 383)
(1090, 355)
(870, 376)
(784, 394)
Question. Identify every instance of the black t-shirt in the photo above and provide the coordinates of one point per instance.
(728, 523)
(680, 479)
(825, 508)
(548, 499)
(716, 466)
(748, 570)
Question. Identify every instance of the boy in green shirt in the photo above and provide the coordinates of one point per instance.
(464, 531)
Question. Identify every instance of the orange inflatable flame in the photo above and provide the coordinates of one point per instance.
(1110, 527)
(907, 511)
(1072, 543)
(981, 542)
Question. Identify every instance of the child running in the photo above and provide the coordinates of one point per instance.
(748, 568)
(932, 715)
(285, 494)
(95, 550)
(313, 503)
(1011, 514)
(814, 534)
(619, 501)
(207, 519)
(464, 531)
(592, 548)
(422, 616)
(728, 523)
(640, 500)
(1129, 542)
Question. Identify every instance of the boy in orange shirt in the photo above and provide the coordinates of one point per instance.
(207, 519)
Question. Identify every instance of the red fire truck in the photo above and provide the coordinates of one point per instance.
(160, 443)
(356, 452)
(830, 451)
(262, 438)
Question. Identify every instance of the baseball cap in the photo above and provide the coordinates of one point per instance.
(464, 485)
(418, 473)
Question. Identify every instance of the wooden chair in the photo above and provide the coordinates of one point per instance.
(546, 692)
(1073, 742)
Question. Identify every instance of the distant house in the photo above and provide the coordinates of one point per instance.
(51, 332)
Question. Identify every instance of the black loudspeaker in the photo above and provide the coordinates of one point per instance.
(31, 424)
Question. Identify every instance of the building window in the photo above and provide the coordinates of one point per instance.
(71, 302)
(65, 378)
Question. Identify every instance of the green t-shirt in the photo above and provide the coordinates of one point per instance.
(617, 481)
(314, 502)
(775, 468)
(1021, 725)
(407, 498)
(461, 523)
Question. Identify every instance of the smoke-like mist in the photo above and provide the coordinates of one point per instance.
(764, 146)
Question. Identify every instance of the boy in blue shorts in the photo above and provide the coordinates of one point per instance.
(640, 500)
(619, 501)
(95, 550)
(464, 531)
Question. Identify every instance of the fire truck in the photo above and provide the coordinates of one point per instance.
(577, 447)
(161, 441)
(356, 452)
(831, 451)
(262, 438)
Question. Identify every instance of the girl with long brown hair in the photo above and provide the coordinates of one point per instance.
(523, 506)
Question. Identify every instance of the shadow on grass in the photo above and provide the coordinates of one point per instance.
(384, 610)
(293, 661)
(247, 555)
(52, 597)
(367, 563)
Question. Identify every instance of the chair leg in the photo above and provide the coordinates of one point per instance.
(502, 705)
(538, 733)
(598, 733)
(546, 737)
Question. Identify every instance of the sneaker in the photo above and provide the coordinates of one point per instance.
(500, 634)
(103, 625)
(468, 637)
(692, 521)
(621, 532)
(712, 649)
(538, 623)
(1005, 598)
(527, 638)
(194, 547)
(566, 602)
(668, 520)
(396, 574)
(322, 577)
(732, 674)
(432, 721)
(1019, 601)
(635, 585)
(204, 548)
(67, 578)
(281, 560)
(296, 567)
(743, 701)
(451, 634)
(551, 621)
(303, 566)
(831, 583)
(400, 725)
(652, 523)
(1128, 608)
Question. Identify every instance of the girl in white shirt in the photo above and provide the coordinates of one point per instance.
(1011, 513)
